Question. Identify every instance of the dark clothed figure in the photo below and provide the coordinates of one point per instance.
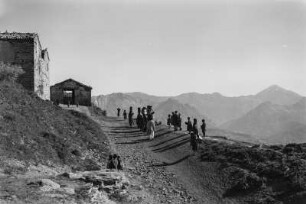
(115, 161)
(120, 165)
(203, 127)
(175, 120)
(169, 121)
(118, 112)
(110, 162)
(139, 120)
(172, 118)
(179, 121)
(150, 111)
(189, 125)
(131, 122)
(124, 114)
(193, 141)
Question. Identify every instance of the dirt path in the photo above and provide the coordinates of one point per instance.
(165, 167)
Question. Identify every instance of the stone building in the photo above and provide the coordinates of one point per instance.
(72, 92)
(24, 49)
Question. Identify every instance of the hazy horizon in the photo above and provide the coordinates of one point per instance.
(168, 47)
(203, 93)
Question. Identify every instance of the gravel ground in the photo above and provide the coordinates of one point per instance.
(164, 167)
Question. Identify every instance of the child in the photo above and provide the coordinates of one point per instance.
(110, 162)
(120, 165)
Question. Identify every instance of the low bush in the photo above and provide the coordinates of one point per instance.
(9, 72)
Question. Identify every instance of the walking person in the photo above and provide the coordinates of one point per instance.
(189, 125)
(150, 127)
(118, 112)
(144, 119)
(175, 120)
(195, 128)
(179, 121)
(120, 164)
(203, 127)
(124, 114)
(172, 119)
(110, 162)
(169, 121)
(131, 122)
(193, 142)
(139, 120)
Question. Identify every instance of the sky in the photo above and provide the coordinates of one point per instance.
(168, 47)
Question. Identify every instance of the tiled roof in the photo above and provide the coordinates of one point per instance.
(14, 35)
(81, 84)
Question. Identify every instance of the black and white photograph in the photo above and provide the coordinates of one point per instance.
(152, 101)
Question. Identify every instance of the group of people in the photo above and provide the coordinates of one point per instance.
(192, 128)
(175, 120)
(145, 123)
(144, 119)
(114, 162)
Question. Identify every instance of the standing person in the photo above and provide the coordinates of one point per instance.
(120, 164)
(115, 161)
(139, 120)
(179, 121)
(189, 125)
(175, 120)
(110, 162)
(203, 127)
(169, 121)
(124, 114)
(118, 112)
(195, 128)
(172, 119)
(193, 142)
(144, 119)
(131, 122)
(150, 127)
(150, 111)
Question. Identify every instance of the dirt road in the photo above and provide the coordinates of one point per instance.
(165, 167)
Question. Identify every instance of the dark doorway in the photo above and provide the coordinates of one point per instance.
(69, 96)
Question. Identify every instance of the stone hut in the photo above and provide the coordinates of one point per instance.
(24, 49)
(72, 92)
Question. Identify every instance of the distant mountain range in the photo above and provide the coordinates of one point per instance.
(273, 115)
(163, 109)
(273, 123)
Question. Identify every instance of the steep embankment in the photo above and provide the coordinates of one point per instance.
(37, 131)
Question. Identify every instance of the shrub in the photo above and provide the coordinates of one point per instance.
(9, 72)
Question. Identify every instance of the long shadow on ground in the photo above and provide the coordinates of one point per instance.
(163, 142)
(134, 141)
(173, 145)
(130, 136)
(128, 131)
(171, 163)
(162, 134)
